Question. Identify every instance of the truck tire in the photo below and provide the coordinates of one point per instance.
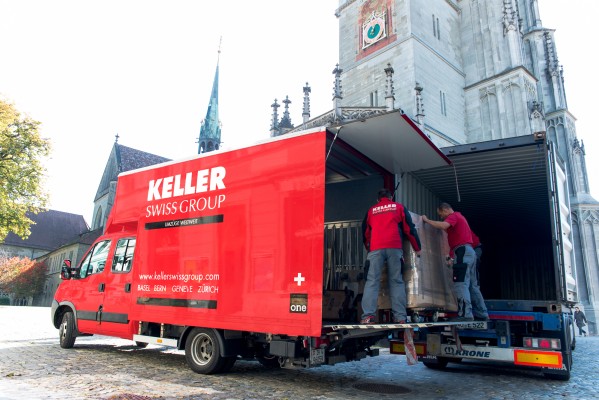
(439, 363)
(141, 345)
(202, 351)
(562, 375)
(67, 332)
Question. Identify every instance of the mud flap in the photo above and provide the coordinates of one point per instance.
(456, 337)
(408, 338)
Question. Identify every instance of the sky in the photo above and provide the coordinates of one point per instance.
(89, 70)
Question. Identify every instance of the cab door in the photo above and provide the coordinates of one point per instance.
(116, 304)
(87, 289)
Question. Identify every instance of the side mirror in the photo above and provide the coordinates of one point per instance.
(66, 271)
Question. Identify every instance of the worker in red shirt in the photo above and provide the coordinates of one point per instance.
(463, 258)
(383, 228)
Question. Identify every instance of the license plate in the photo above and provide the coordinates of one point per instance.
(473, 325)
(317, 356)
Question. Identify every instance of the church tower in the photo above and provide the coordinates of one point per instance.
(210, 131)
(482, 70)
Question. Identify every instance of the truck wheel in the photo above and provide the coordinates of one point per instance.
(66, 332)
(562, 375)
(202, 351)
(141, 345)
(439, 363)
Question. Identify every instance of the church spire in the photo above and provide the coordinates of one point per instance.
(210, 130)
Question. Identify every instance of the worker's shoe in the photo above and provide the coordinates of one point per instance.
(367, 320)
(398, 321)
(461, 319)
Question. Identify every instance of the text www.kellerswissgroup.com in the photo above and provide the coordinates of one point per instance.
(179, 277)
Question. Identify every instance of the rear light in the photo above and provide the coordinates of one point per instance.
(320, 342)
(542, 343)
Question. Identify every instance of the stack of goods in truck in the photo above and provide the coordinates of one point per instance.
(428, 279)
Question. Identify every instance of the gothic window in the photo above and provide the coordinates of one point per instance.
(436, 28)
(515, 116)
(374, 98)
(443, 103)
(491, 127)
(98, 221)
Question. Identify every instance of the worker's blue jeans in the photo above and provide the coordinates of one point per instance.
(397, 288)
(470, 299)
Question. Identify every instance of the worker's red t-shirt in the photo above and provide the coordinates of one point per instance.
(459, 232)
(384, 225)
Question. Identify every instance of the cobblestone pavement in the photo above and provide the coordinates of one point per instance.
(33, 366)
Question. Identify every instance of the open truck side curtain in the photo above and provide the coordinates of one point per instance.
(222, 254)
(514, 192)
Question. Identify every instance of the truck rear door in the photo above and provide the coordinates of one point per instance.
(562, 225)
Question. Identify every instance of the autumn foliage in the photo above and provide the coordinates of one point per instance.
(22, 174)
(22, 277)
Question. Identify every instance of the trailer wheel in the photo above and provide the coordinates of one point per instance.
(439, 363)
(562, 375)
(67, 332)
(202, 351)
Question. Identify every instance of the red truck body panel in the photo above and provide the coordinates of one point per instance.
(230, 240)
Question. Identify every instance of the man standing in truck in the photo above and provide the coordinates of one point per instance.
(383, 229)
(463, 259)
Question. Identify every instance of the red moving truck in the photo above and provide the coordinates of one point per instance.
(223, 254)
(256, 253)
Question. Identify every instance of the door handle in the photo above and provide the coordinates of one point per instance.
(101, 287)
(127, 288)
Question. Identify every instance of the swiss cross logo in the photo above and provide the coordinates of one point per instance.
(299, 279)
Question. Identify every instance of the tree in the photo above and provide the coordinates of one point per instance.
(22, 150)
(22, 277)
(30, 282)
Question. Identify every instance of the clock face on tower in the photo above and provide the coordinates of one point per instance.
(373, 30)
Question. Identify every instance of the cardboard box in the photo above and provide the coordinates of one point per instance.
(429, 282)
(427, 278)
